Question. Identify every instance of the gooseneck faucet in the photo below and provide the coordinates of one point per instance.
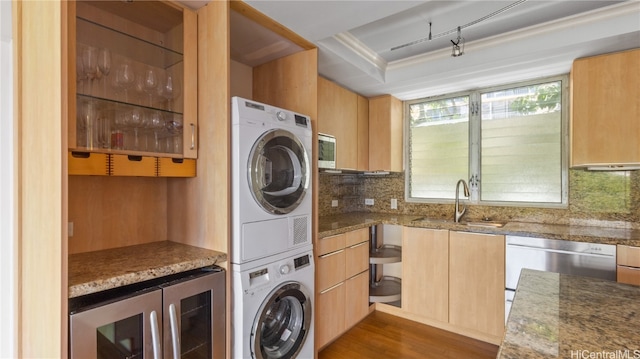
(459, 213)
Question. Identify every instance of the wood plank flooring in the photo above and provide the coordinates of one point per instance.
(382, 335)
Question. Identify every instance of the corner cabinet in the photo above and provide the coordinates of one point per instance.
(605, 107)
(341, 284)
(385, 131)
(344, 115)
(132, 68)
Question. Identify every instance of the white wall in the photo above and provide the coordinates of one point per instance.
(8, 302)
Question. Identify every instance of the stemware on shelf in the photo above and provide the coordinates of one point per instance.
(104, 67)
(87, 112)
(150, 83)
(156, 124)
(125, 78)
(90, 65)
(170, 89)
(174, 127)
(80, 75)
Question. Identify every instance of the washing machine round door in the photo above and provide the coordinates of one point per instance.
(282, 323)
(278, 172)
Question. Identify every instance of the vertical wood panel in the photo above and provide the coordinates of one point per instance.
(42, 316)
(363, 133)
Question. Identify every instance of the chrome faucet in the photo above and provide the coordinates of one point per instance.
(459, 213)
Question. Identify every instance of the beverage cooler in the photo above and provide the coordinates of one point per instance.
(179, 316)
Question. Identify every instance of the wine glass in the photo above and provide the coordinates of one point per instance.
(133, 120)
(88, 112)
(90, 64)
(104, 65)
(174, 128)
(169, 89)
(80, 75)
(156, 124)
(125, 77)
(150, 83)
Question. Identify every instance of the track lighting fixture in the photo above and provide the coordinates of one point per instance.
(458, 45)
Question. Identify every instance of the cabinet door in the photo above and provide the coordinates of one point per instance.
(425, 272)
(357, 299)
(363, 133)
(385, 133)
(337, 116)
(605, 107)
(330, 320)
(476, 288)
(628, 256)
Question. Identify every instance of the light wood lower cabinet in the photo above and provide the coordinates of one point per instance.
(453, 281)
(476, 286)
(342, 284)
(425, 272)
(628, 259)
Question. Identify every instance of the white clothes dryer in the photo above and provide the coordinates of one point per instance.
(271, 180)
(272, 307)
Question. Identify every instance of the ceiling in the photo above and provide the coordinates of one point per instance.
(531, 39)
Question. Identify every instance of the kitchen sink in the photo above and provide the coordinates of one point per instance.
(485, 224)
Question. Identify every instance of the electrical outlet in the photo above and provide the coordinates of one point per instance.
(368, 201)
(394, 203)
(70, 229)
(334, 203)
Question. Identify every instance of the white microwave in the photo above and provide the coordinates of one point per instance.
(326, 151)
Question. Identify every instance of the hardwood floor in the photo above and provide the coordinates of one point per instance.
(382, 335)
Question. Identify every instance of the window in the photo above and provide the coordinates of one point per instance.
(509, 142)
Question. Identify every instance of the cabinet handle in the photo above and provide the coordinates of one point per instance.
(193, 135)
(175, 336)
(359, 245)
(155, 335)
(332, 253)
(331, 288)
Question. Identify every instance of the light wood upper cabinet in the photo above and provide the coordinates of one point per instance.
(342, 114)
(476, 288)
(385, 133)
(605, 109)
(425, 273)
(133, 78)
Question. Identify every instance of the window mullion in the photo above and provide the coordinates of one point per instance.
(474, 146)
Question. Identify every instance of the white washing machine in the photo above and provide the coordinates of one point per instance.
(272, 307)
(271, 180)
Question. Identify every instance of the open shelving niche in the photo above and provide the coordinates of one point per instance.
(385, 262)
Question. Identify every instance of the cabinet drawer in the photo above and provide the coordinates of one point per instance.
(176, 167)
(86, 163)
(330, 319)
(629, 275)
(357, 236)
(628, 256)
(142, 166)
(357, 259)
(331, 244)
(330, 269)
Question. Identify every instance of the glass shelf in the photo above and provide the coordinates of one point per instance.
(136, 49)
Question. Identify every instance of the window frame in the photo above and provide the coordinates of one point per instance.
(475, 146)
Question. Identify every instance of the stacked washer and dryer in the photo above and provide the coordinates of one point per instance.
(271, 251)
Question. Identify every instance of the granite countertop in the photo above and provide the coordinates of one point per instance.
(93, 272)
(563, 316)
(332, 225)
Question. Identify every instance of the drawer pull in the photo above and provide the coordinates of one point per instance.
(331, 254)
(359, 245)
(331, 288)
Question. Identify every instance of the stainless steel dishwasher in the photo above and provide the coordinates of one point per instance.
(552, 255)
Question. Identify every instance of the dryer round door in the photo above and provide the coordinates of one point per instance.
(282, 323)
(278, 171)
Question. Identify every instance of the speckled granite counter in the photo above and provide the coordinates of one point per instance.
(332, 225)
(562, 316)
(92, 272)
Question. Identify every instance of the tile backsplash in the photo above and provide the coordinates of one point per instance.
(595, 198)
